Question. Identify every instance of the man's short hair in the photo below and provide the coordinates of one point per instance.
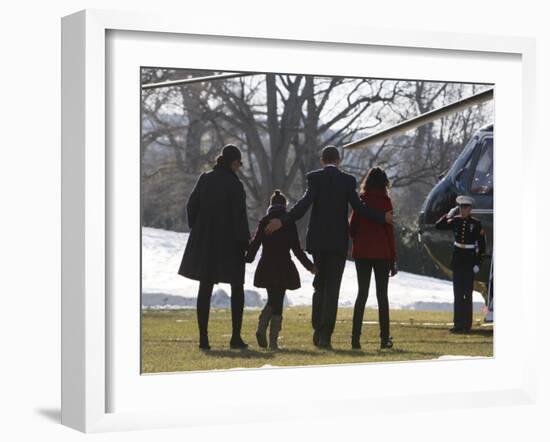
(330, 154)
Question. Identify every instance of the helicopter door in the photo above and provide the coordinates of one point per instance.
(482, 180)
(481, 187)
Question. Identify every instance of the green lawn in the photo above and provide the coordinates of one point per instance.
(170, 340)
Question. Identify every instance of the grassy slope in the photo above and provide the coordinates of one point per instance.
(170, 341)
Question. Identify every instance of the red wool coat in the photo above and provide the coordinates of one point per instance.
(369, 239)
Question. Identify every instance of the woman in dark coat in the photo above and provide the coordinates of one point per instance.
(218, 241)
(276, 272)
(373, 250)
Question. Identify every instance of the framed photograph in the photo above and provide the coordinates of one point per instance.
(208, 249)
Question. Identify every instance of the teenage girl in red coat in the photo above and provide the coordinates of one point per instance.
(276, 272)
(373, 250)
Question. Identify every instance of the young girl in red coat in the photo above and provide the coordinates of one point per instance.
(373, 250)
(276, 272)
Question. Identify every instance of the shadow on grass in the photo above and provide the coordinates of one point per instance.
(385, 352)
(296, 351)
(480, 332)
(270, 354)
(473, 332)
(442, 342)
(262, 354)
(239, 354)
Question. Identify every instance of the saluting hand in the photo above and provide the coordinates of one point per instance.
(453, 212)
(273, 225)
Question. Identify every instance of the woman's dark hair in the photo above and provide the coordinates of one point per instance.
(278, 198)
(229, 153)
(376, 178)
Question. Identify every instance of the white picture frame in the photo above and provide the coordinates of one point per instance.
(88, 359)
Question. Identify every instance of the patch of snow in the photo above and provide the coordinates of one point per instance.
(162, 251)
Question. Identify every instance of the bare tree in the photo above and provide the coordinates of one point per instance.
(282, 121)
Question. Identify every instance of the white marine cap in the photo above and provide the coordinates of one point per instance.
(463, 199)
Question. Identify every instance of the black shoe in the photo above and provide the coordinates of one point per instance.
(237, 344)
(456, 330)
(355, 344)
(326, 345)
(316, 338)
(203, 343)
(261, 339)
(386, 343)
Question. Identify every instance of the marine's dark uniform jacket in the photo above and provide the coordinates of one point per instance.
(469, 240)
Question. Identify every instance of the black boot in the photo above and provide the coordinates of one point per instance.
(203, 312)
(203, 343)
(202, 319)
(316, 338)
(355, 344)
(274, 329)
(237, 306)
(237, 343)
(386, 343)
(324, 341)
(263, 322)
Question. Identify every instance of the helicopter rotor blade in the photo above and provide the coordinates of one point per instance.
(194, 80)
(420, 120)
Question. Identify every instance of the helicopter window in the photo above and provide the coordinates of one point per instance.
(482, 182)
(461, 176)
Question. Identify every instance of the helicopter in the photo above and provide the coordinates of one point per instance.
(471, 174)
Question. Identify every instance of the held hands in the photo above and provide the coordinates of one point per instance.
(273, 225)
(389, 217)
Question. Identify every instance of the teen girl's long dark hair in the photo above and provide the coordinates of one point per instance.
(376, 178)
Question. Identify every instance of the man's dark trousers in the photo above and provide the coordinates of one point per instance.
(463, 285)
(326, 284)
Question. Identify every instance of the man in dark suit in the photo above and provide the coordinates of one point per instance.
(329, 191)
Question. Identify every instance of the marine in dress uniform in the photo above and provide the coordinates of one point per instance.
(468, 249)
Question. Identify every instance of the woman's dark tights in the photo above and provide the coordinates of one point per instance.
(203, 308)
(381, 269)
(275, 299)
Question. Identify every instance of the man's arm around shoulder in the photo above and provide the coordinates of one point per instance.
(299, 209)
(358, 206)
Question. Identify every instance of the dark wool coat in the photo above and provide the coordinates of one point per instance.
(219, 236)
(329, 192)
(372, 240)
(275, 268)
